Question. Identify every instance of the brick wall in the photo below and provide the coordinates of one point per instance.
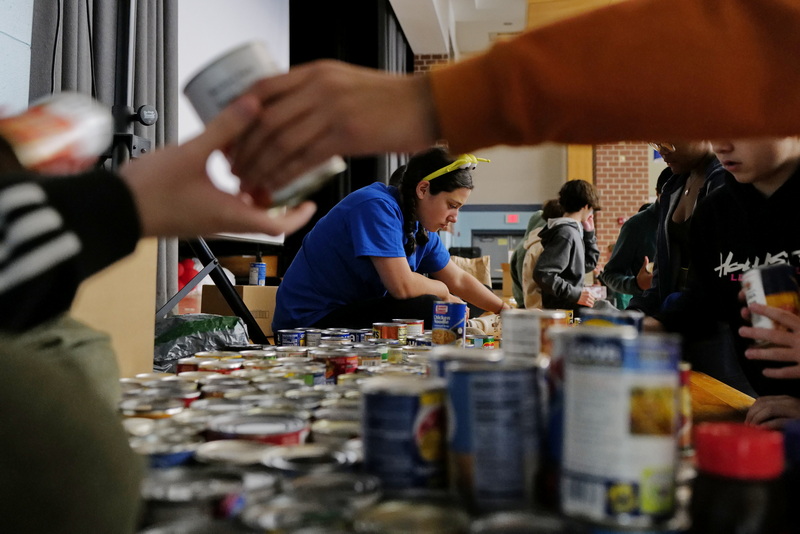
(621, 175)
(426, 62)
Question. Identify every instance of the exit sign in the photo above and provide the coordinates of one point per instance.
(512, 218)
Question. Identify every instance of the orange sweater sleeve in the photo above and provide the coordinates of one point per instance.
(637, 70)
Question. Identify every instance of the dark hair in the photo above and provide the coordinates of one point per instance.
(552, 209)
(575, 194)
(663, 178)
(397, 176)
(418, 167)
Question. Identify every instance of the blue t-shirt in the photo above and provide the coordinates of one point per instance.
(333, 267)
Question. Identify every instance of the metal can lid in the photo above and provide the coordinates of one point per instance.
(401, 385)
(231, 452)
(182, 484)
(256, 425)
(395, 517)
(354, 490)
(305, 458)
(518, 523)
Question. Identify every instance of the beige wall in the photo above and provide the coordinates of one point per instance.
(528, 175)
(120, 300)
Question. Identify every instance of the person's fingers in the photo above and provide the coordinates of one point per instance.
(784, 317)
(783, 373)
(240, 217)
(778, 337)
(227, 126)
(778, 354)
(775, 424)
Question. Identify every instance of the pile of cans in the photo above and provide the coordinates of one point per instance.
(373, 434)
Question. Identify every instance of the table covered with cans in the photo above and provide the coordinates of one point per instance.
(553, 428)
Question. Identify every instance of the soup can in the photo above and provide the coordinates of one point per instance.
(620, 421)
(313, 336)
(403, 431)
(414, 327)
(449, 323)
(337, 362)
(493, 441)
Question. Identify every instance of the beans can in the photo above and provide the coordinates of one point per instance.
(619, 425)
(396, 331)
(449, 323)
(414, 327)
(493, 441)
(291, 337)
(403, 431)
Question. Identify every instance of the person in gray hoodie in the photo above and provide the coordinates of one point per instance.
(569, 249)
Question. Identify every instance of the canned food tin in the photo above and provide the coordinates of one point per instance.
(520, 523)
(403, 431)
(620, 423)
(412, 516)
(313, 336)
(593, 317)
(217, 354)
(396, 331)
(449, 323)
(419, 341)
(368, 356)
(310, 373)
(685, 418)
(304, 459)
(229, 76)
(337, 334)
(188, 364)
(150, 407)
(231, 452)
(259, 354)
(258, 273)
(439, 357)
(337, 362)
(274, 429)
(291, 351)
(290, 337)
(480, 341)
(414, 327)
(772, 285)
(493, 440)
(335, 432)
(224, 367)
(526, 332)
(352, 491)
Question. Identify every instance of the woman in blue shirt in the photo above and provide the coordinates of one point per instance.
(376, 255)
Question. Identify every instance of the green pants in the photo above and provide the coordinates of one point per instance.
(65, 463)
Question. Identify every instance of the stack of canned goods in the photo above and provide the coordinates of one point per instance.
(369, 435)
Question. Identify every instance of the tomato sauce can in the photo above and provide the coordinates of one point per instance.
(493, 438)
(449, 323)
(620, 419)
(403, 431)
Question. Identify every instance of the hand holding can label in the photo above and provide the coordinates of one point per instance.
(227, 78)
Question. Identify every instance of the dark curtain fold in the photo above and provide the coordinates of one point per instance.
(74, 47)
(395, 55)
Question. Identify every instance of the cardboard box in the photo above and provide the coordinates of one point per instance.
(260, 300)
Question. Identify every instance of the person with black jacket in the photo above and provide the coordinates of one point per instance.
(744, 224)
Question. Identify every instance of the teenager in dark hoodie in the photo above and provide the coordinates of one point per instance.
(570, 249)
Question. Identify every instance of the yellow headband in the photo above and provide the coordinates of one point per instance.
(464, 161)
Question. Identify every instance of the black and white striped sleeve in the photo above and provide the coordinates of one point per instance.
(54, 233)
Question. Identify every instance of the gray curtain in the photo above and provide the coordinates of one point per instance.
(394, 56)
(74, 47)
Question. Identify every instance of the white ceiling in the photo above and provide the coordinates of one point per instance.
(470, 26)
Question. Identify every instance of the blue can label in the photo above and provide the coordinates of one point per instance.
(403, 438)
(449, 323)
(258, 274)
(293, 338)
(620, 415)
(494, 448)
